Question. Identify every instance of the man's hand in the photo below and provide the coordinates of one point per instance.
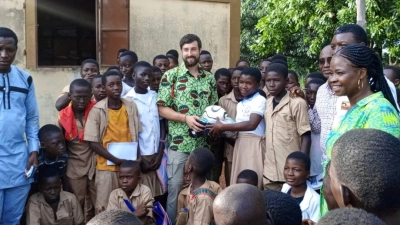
(142, 209)
(32, 161)
(296, 92)
(192, 122)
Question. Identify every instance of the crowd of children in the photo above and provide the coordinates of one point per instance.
(123, 142)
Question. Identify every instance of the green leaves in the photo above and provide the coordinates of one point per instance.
(301, 28)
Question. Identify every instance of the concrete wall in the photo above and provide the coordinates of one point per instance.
(155, 27)
(166, 21)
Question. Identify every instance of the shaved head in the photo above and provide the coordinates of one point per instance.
(240, 204)
(115, 217)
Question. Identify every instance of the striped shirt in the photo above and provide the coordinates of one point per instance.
(60, 163)
(325, 106)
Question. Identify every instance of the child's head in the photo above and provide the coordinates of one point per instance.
(249, 81)
(80, 94)
(122, 50)
(364, 171)
(173, 52)
(280, 61)
(329, 198)
(50, 184)
(297, 169)
(206, 60)
(89, 68)
(143, 74)
(112, 83)
(52, 141)
(115, 217)
(157, 74)
(315, 75)
(199, 163)
(276, 79)
(393, 74)
(129, 176)
(239, 204)
(279, 57)
(223, 80)
(282, 208)
(98, 90)
(162, 62)
(243, 63)
(173, 62)
(263, 67)
(126, 62)
(311, 90)
(235, 79)
(247, 177)
(293, 79)
(349, 216)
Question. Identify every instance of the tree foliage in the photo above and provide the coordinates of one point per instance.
(299, 29)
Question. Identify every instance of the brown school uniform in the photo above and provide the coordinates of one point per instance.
(200, 207)
(95, 130)
(81, 166)
(284, 126)
(151, 179)
(265, 89)
(229, 103)
(141, 194)
(39, 212)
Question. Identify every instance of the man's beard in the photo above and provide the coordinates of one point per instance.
(191, 64)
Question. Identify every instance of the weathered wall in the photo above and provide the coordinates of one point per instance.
(155, 27)
(166, 21)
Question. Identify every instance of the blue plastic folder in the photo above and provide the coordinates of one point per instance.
(129, 205)
(160, 215)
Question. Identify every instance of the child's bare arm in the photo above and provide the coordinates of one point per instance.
(306, 142)
(62, 102)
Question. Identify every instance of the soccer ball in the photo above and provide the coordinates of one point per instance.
(211, 113)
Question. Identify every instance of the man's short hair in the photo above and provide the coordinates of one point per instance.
(189, 38)
(349, 216)
(115, 217)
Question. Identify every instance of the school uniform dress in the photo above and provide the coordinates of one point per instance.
(309, 205)
(284, 126)
(105, 126)
(248, 152)
(141, 194)
(19, 126)
(199, 207)
(149, 138)
(39, 212)
(125, 89)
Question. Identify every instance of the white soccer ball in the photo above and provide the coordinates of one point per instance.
(211, 113)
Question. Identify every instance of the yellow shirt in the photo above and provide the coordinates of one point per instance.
(117, 131)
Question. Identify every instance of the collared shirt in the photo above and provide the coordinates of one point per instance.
(97, 123)
(255, 104)
(200, 206)
(187, 95)
(149, 138)
(310, 204)
(39, 212)
(284, 126)
(326, 108)
(141, 194)
(19, 126)
(374, 111)
(58, 163)
(81, 158)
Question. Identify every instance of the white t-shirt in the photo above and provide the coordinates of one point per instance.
(256, 104)
(149, 138)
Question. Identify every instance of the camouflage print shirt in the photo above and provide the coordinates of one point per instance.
(188, 95)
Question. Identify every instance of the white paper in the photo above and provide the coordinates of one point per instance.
(122, 150)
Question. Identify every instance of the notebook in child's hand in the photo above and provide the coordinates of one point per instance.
(122, 150)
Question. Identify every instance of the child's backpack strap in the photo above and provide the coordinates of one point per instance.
(205, 191)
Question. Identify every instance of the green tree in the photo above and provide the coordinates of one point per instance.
(299, 29)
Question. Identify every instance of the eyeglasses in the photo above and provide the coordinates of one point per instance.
(325, 60)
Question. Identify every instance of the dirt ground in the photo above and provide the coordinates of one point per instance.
(222, 182)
